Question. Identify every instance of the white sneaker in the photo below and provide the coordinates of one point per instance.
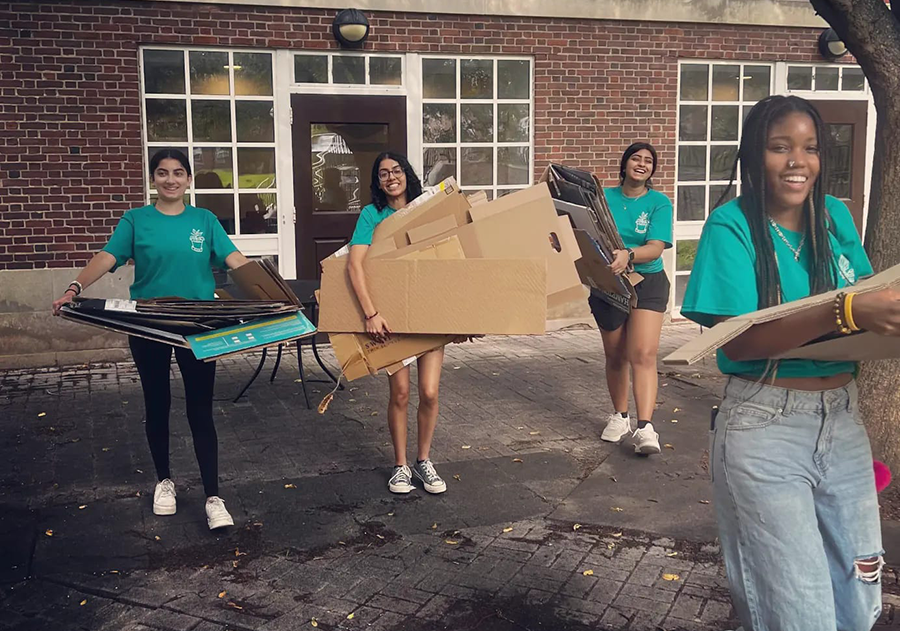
(401, 480)
(646, 440)
(426, 472)
(217, 516)
(616, 428)
(164, 498)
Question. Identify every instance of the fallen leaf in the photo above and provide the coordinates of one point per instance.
(677, 410)
(352, 400)
(234, 605)
(669, 446)
(650, 499)
(617, 534)
(521, 427)
(664, 385)
(533, 433)
(674, 420)
(391, 514)
(613, 478)
(313, 622)
(507, 529)
(576, 526)
(456, 367)
(82, 507)
(451, 542)
(298, 381)
(616, 509)
(326, 401)
(671, 577)
(43, 414)
(374, 414)
(380, 536)
(457, 477)
(49, 533)
(235, 563)
(83, 602)
(342, 543)
(672, 554)
(114, 571)
(467, 446)
(157, 537)
(610, 546)
(350, 616)
(517, 460)
(138, 471)
(434, 526)
(238, 553)
(290, 486)
(704, 501)
(588, 572)
(222, 594)
(105, 449)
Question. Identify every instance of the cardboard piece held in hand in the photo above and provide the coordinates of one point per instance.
(857, 347)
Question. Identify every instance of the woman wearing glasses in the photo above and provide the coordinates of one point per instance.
(394, 185)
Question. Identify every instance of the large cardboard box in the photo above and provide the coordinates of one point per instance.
(359, 355)
(837, 347)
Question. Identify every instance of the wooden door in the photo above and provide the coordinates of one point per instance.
(845, 122)
(335, 141)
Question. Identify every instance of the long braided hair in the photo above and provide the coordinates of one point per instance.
(751, 158)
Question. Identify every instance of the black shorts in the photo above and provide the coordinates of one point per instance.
(652, 294)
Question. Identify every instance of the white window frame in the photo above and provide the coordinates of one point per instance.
(494, 145)
(331, 55)
(250, 244)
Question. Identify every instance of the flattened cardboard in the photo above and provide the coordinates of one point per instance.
(359, 355)
(258, 281)
(256, 334)
(464, 297)
(447, 202)
(858, 347)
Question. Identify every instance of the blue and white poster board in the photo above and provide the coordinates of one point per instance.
(256, 334)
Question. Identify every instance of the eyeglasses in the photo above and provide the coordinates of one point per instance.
(384, 174)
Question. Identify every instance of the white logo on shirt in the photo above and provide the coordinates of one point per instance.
(197, 240)
(642, 223)
(847, 270)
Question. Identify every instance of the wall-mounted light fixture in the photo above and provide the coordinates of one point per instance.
(350, 28)
(830, 45)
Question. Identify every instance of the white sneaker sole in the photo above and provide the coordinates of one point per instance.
(163, 510)
(396, 488)
(220, 523)
(647, 449)
(611, 438)
(434, 490)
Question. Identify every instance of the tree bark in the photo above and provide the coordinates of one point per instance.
(872, 34)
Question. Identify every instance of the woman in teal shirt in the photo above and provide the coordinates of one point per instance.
(790, 460)
(394, 185)
(631, 341)
(173, 246)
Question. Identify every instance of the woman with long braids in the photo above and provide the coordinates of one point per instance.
(631, 341)
(790, 460)
(394, 185)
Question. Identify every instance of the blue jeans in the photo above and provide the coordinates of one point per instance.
(797, 509)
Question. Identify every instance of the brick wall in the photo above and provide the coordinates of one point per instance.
(70, 141)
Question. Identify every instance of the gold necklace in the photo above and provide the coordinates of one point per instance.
(796, 250)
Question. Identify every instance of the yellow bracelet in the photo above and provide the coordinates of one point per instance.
(848, 312)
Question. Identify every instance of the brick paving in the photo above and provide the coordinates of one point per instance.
(543, 525)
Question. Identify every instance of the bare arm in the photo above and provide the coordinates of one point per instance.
(376, 325)
(235, 260)
(99, 265)
(650, 251)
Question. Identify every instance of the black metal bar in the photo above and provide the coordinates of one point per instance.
(302, 377)
(277, 363)
(262, 360)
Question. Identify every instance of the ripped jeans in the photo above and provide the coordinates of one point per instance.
(797, 509)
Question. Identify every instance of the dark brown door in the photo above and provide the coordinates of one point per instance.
(846, 125)
(335, 141)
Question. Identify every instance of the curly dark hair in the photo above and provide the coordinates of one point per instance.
(413, 183)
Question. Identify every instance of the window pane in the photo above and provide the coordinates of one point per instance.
(756, 82)
(477, 123)
(854, 79)
(726, 83)
(253, 74)
(212, 167)
(476, 79)
(163, 72)
(691, 164)
(385, 71)
(799, 78)
(685, 253)
(681, 281)
(691, 205)
(211, 121)
(438, 165)
(513, 79)
(715, 193)
(512, 165)
(692, 122)
(259, 213)
(166, 120)
(476, 166)
(348, 69)
(840, 160)
(827, 78)
(255, 121)
(502, 192)
(439, 78)
(221, 205)
(256, 168)
(487, 192)
(694, 82)
(725, 122)
(513, 122)
(209, 72)
(310, 69)
(721, 161)
(152, 151)
(439, 122)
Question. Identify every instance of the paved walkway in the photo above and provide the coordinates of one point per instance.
(543, 525)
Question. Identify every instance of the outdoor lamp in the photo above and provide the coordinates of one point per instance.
(830, 45)
(350, 28)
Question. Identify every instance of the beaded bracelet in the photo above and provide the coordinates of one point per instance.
(839, 317)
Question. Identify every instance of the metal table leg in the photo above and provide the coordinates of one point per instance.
(262, 360)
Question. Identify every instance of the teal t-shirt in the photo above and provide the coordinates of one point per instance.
(173, 254)
(723, 278)
(369, 218)
(642, 219)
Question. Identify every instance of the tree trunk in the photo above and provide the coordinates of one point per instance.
(872, 34)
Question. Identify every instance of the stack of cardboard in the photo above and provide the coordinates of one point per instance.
(452, 265)
(579, 196)
(210, 328)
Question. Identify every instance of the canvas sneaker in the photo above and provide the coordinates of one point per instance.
(616, 428)
(430, 479)
(164, 498)
(401, 480)
(217, 516)
(646, 440)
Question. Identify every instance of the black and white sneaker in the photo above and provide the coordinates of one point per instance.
(401, 480)
(430, 479)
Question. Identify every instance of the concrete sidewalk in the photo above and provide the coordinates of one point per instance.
(543, 525)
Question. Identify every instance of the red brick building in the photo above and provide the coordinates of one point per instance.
(282, 124)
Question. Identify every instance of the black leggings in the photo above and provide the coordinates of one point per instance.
(153, 361)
